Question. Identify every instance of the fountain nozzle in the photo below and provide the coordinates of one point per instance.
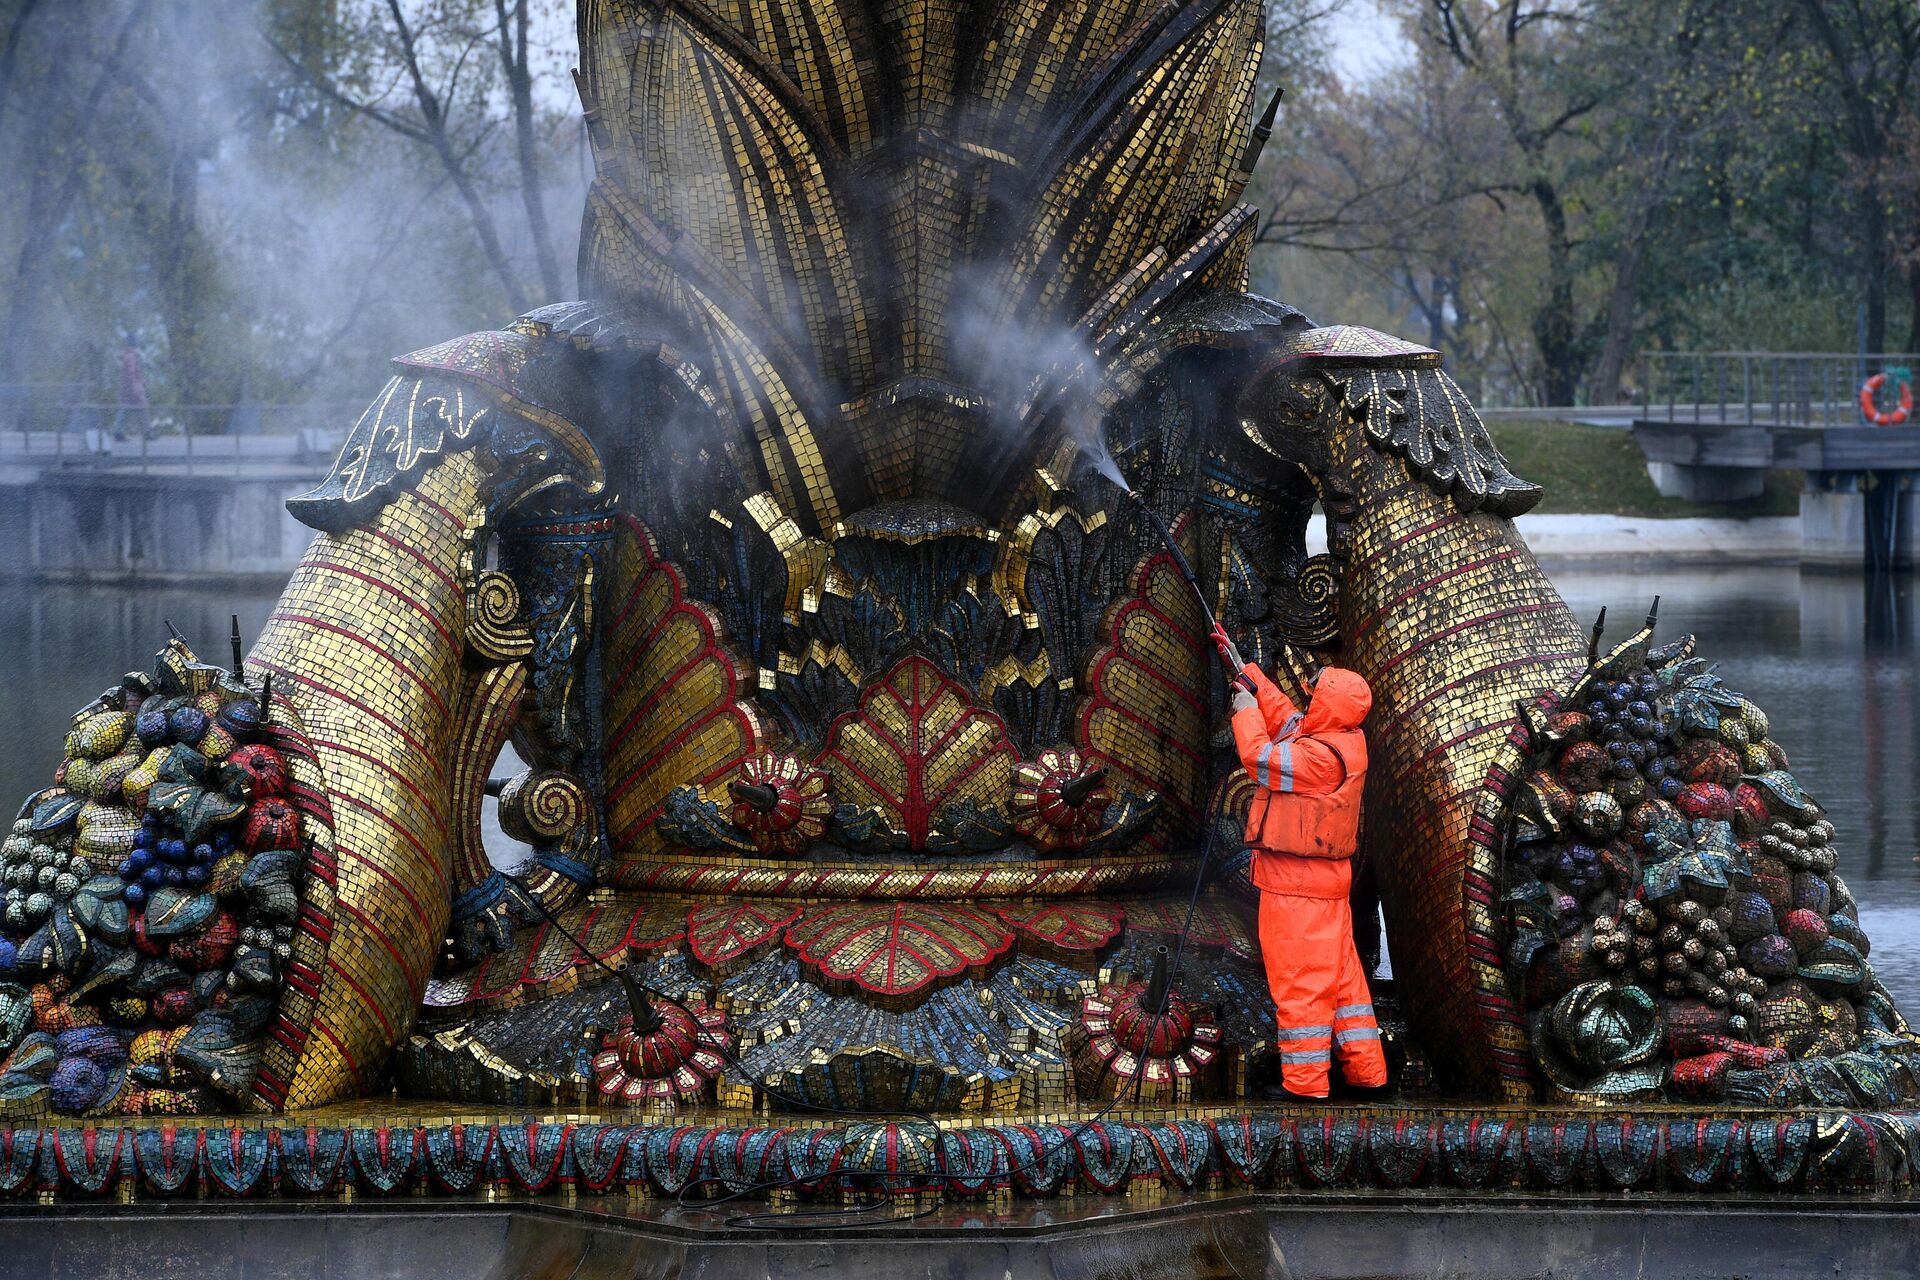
(759, 795)
(1156, 1001)
(1076, 791)
(646, 1018)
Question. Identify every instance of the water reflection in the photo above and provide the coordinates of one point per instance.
(1841, 693)
(66, 644)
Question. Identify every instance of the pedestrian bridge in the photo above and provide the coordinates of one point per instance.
(1712, 424)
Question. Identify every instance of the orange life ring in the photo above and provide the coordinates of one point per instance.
(1872, 412)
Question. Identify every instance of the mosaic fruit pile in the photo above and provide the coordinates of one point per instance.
(150, 899)
(1678, 925)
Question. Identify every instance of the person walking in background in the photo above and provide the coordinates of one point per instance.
(132, 401)
(1309, 769)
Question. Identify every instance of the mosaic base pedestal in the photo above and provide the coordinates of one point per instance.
(364, 1152)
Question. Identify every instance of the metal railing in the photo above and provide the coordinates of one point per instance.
(1815, 389)
(48, 424)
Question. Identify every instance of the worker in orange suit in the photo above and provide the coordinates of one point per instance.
(1308, 769)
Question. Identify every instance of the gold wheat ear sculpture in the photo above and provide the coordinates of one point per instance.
(848, 202)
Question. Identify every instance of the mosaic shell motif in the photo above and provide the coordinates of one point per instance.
(896, 950)
(675, 712)
(1148, 711)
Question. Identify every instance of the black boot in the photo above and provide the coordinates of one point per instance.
(1277, 1092)
(1364, 1092)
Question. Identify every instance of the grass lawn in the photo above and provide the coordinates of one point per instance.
(1601, 471)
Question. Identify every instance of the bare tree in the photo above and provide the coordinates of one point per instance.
(1514, 50)
(511, 33)
(1673, 58)
(433, 63)
(1871, 61)
(54, 182)
(10, 46)
(1398, 182)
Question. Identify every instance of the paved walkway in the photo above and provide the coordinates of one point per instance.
(1570, 539)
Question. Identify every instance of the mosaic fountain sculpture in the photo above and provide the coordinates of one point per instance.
(865, 713)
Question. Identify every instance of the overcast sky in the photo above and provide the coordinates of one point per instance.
(1363, 43)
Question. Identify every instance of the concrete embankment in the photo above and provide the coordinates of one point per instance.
(102, 526)
(111, 527)
(1642, 542)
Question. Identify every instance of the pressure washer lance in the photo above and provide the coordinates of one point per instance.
(1232, 657)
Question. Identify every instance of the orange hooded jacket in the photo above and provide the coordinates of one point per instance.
(1308, 771)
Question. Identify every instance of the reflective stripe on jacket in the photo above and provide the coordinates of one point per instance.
(1308, 770)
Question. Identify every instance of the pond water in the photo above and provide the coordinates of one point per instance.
(1836, 677)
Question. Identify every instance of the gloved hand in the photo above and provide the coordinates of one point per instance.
(1242, 700)
(1229, 652)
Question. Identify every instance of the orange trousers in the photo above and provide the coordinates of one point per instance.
(1319, 992)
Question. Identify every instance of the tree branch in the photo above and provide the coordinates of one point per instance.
(332, 93)
(11, 49)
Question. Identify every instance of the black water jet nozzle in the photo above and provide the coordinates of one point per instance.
(494, 786)
(1599, 629)
(1257, 141)
(757, 794)
(238, 658)
(1156, 1000)
(1076, 790)
(646, 1019)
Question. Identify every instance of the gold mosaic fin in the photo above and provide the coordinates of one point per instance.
(1149, 173)
(721, 148)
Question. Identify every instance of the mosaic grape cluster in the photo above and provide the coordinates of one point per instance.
(1678, 925)
(150, 898)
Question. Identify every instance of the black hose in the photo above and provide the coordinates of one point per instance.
(1179, 558)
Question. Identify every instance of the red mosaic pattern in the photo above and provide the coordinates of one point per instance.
(675, 705)
(897, 951)
(725, 936)
(675, 1063)
(1066, 929)
(914, 746)
(1146, 718)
